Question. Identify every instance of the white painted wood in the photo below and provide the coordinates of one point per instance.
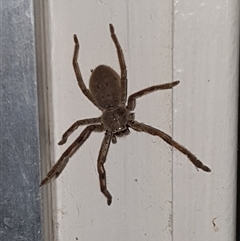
(205, 118)
(138, 166)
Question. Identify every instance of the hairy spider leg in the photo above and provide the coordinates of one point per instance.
(81, 84)
(100, 164)
(122, 64)
(74, 127)
(155, 132)
(132, 98)
(64, 159)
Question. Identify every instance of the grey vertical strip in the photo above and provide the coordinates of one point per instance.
(20, 199)
(43, 50)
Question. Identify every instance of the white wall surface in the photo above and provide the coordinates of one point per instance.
(205, 118)
(153, 197)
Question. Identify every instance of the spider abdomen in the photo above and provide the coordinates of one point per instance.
(115, 119)
(105, 87)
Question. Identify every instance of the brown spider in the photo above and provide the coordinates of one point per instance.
(108, 92)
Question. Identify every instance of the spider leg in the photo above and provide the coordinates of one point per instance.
(73, 127)
(155, 132)
(122, 64)
(101, 170)
(132, 98)
(81, 84)
(63, 160)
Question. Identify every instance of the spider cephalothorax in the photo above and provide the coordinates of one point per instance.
(115, 119)
(108, 91)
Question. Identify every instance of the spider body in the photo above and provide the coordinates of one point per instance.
(115, 119)
(108, 92)
(102, 83)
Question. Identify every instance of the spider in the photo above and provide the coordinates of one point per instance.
(108, 92)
